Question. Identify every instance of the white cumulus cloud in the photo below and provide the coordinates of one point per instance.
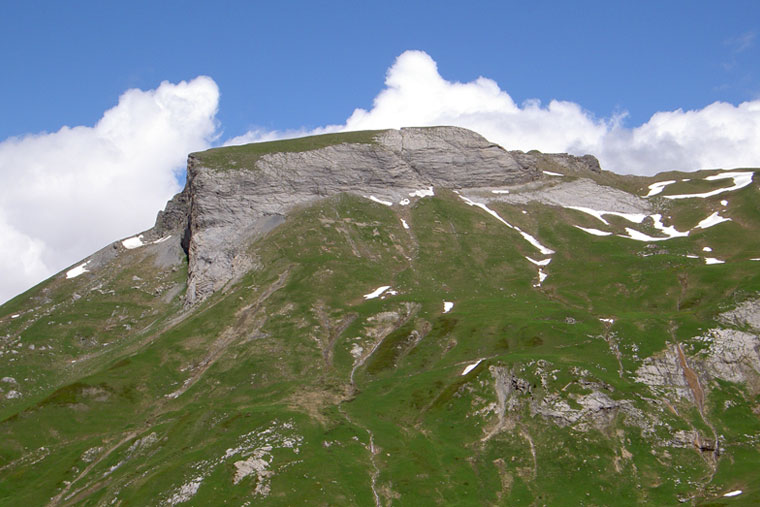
(720, 135)
(65, 194)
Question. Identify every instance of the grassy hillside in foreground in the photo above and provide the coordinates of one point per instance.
(291, 387)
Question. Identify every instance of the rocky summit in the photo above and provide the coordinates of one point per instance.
(398, 317)
(223, 207)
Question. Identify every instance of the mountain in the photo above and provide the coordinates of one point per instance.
(400, 317)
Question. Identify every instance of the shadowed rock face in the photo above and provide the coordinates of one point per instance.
(221, 210)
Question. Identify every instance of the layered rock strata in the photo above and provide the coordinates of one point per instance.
(222, 209)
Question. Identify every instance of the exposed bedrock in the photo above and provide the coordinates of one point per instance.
(221, 210)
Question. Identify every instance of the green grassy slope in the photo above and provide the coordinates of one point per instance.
(290, 387)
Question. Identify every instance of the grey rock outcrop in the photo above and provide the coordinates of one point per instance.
(582, 192)
(597, 410)
(221, 210)
(747, 314)
(733, 355)
(664, 374)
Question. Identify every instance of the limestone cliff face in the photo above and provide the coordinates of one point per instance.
(221, 210)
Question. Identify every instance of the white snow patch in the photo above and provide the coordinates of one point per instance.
(595, 232)
(422, 193)
(499, 191)
(755, 259)
(741, 180)
(403, 223)
(544, 262)
(608, 321)
(671, 231)
(404, 202)
(533, 241)
(487, 210)
(377, 292)
(691, 256)
(549, 173)
(707, 249)
(656, 188)
(471, 367)
(713, 219)
(640, 236)
(447, 306)
(380, 201)
(133, 242)
(713, 260)
(724, 202)
(530, 239)
(15, 316)
(161, 240)
(736, 492)
(631, 217)
(524, 212)
(75, 272)
(541, 276)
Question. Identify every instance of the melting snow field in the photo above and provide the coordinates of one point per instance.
(447, 306)
(631, 217)
(377, 292)
(656, 188)
(422, 193)
(544, 262)
(133, 242)
(669, 232)
(404, 224)
(530, 239)
(595, 232)
(736, 492)
(549, 173)
(713, 219)
(713, 260)
(380, 201)
(741, 180)
(640, 236)
(137, 242)
(428, 192)
(75, 272)
(471, 367)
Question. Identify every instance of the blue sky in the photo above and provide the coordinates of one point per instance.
(285, 65)
(100, 102)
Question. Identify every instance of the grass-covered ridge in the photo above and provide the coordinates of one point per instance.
(245, 156)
